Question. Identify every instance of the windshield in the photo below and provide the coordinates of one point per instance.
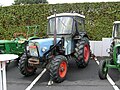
(63, 25)
(117, 30)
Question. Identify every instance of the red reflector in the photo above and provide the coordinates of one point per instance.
(32, 47)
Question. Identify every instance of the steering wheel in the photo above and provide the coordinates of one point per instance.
(16, 35)
(19, 37)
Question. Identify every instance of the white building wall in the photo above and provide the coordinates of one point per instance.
(99, 48)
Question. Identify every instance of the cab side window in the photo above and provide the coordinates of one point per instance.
(80, 24)
(118, 27)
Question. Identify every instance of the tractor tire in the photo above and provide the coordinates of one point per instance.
(82, 52)
(111, 50)
(111, 54)
(24, 67)
(58, 68)
(103, 70)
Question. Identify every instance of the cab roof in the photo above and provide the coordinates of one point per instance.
(66, 14)
(116, 22)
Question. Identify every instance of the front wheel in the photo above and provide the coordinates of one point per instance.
(58, 68)
(103, 70)
(24, 66)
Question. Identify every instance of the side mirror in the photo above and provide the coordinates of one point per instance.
(108, 50)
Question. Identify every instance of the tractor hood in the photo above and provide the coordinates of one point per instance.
(5, 41)
(43, 44)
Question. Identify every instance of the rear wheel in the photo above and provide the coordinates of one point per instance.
(58, 68)
(103, 70)
(24, 66)
(82, 52)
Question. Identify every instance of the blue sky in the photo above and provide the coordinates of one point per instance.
(9, 2)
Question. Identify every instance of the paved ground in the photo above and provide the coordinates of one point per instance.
(77, 79)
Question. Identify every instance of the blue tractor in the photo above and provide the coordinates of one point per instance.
(66, 38)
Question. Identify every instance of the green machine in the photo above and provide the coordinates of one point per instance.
(114, 51)
(16, 46)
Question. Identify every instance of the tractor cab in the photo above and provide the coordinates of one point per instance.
(66, 24)
(116, 32)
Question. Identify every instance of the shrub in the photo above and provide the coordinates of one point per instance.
(99, 17)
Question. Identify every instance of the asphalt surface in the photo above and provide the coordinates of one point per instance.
(77, 79)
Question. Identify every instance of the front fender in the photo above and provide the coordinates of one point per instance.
(33, 38)
(115, 51)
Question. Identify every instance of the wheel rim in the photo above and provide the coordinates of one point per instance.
(86, 52)
(105, 69)
(29, 68)
(63, 69)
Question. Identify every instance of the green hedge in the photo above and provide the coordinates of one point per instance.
(99, 17)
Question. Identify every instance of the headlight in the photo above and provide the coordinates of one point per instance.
(44, 49)
(33, 50)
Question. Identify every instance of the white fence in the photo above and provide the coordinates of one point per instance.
(99, 48)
